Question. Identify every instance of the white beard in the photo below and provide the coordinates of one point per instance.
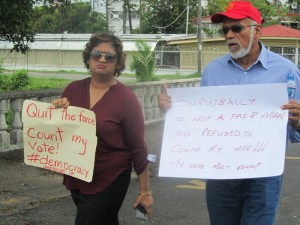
(242, 51)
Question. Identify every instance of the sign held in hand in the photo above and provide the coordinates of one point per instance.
(225, 132)
(61, 140)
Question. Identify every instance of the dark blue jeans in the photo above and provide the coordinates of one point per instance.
(244, 201)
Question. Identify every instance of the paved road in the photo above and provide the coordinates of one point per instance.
(74, 76)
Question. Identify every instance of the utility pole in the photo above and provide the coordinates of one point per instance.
(107, 12)
(140, 13)
(129, 15)
(187, 16)
(124, 17)
(199, 36)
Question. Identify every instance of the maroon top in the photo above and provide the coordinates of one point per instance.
(120, 132)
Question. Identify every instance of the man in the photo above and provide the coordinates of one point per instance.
(246, 201)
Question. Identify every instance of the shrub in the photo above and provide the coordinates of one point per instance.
(14, 82)
(9, 119)
(143, 62)
(1, 68)
(19, 80)
(5, 82)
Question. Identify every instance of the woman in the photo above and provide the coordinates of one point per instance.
(120, 132)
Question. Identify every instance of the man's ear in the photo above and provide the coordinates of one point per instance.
(258, 31)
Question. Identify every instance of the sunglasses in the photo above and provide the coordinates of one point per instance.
(109, 57)
(234, 28)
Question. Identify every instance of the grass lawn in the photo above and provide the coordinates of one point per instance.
(38, 81)
(46, 82)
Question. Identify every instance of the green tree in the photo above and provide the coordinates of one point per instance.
(167, 16)
(74, 18)
(143, 62)
(293, 1)
(272, 12)
(18, 18)
(16, 23)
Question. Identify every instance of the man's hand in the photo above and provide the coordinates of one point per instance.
(164, 101)
(294, 113)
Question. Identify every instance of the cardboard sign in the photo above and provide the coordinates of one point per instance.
(225, 132)
(61, 140)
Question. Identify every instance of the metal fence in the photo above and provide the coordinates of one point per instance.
(167, 57)
(186, 58)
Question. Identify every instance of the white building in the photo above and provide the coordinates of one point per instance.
(118, 19)
(54, 52)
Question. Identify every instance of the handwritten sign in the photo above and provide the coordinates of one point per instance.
(61, 140)
(225, 132)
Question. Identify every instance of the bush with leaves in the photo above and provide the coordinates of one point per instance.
(19, 80)
(5, 82)
(14, 82)
(9, 119)
(1, 67)
(143, 62)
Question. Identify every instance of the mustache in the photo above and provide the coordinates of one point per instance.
(233, 42)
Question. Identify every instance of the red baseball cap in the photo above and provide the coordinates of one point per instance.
(238, 10)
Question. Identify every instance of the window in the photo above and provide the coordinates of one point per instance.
(116, 15)
(298, 63)
(277, 50)
(287, 52)
(135, 14)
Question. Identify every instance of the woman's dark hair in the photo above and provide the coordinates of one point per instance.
(98, 38)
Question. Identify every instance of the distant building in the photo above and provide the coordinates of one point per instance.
(118, 19)
(283, 40)
(64, 51)
(293, 13)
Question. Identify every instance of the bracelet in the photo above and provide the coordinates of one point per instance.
(145, 193)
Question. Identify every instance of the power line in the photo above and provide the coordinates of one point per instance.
(172, 22)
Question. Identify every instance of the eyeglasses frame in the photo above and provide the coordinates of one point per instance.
(109, 57)
(237, 28)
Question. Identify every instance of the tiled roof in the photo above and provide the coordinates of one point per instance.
(280, 31)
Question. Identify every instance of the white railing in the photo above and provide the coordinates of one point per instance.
(11, 138)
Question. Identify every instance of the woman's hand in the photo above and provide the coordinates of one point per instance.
(146, 200)
(61, 103)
